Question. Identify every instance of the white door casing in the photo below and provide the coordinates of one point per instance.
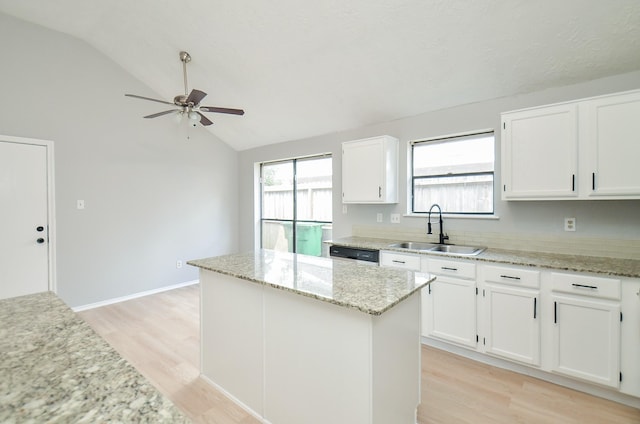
(26, 201)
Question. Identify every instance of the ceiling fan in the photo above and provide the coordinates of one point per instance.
(189, 103)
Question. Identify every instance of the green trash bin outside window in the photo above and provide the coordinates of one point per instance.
(309, 239)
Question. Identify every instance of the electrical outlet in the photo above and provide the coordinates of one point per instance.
(344, 208)
(395, 218)
(80, 204)
(379, 217)
(569, 224)
(178, 264)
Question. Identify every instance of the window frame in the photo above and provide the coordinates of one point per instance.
(445, 139)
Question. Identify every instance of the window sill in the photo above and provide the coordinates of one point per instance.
(450, 216)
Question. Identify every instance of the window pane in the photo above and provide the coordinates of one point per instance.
(470, 154)
(456, 173)
(277, 190)
(313, 182)
(455, 194)
(277, 235)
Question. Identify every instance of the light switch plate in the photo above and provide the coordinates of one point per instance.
(379, 217)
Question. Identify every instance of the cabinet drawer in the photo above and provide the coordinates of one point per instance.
(512, 276)
(586, 285)
(453, 268)
(400, 260)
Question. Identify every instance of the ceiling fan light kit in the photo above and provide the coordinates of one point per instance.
(189, 102)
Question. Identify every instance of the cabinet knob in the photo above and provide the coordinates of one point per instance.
(40, 240)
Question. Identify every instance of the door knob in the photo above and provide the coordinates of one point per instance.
(40, 229)
(40, 240)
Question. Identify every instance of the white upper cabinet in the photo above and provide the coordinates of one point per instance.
(585, 149)
(370, 170)
(540, 152)
(611, 128)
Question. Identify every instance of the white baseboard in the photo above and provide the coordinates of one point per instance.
(133, 296)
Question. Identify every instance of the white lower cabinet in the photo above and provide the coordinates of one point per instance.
(511, 303)
(449, 303)
(586, 328)
(580, 326)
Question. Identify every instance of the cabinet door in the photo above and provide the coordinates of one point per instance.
(540, 153)
(610, 127)
(587, 339)
(449, 311)
(369, 170)
(512, 323)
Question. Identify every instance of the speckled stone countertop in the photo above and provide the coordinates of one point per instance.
(574, 263)
(55, 369)
(367, 288)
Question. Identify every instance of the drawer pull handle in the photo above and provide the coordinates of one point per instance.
(448, 268)
(398, 262)
(509, 277)
(584, 286)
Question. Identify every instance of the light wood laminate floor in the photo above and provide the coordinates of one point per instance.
(159, 335)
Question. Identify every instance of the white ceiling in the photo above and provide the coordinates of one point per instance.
(305, 68)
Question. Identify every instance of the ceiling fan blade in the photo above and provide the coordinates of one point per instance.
(166, 112)
(222, 110)
(148, 98)
(196, 96)
(204, 120)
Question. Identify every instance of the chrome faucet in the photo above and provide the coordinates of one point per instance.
(442, 236)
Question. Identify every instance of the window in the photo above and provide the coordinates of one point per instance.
(296, 204)
(454, 172)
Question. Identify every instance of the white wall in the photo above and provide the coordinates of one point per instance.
(151, 195)
(606, 219)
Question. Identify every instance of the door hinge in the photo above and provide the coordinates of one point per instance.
(477, 338)
(504, 125)
(476, 291)
(621, 376)
(620, 316)
(483, 293)
(484, 341)
(504, 187)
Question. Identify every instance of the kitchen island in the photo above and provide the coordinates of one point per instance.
(55, 369)
(301, 339)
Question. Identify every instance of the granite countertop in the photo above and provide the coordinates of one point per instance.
(55, 369)
(367, 288)
(574, 263)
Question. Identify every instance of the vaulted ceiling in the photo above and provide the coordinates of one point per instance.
(305, 68)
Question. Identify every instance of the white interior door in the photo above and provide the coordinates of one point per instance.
(24, 226)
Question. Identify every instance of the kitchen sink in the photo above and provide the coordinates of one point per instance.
(413, 245)
(451, 249)
(457, 250)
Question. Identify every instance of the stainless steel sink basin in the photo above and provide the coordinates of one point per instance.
(413, 245)
(451, 249)
(457, 250)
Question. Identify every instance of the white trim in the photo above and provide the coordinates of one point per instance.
(51, 207)
(424, 215)
(456, 135)
(133, 296)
